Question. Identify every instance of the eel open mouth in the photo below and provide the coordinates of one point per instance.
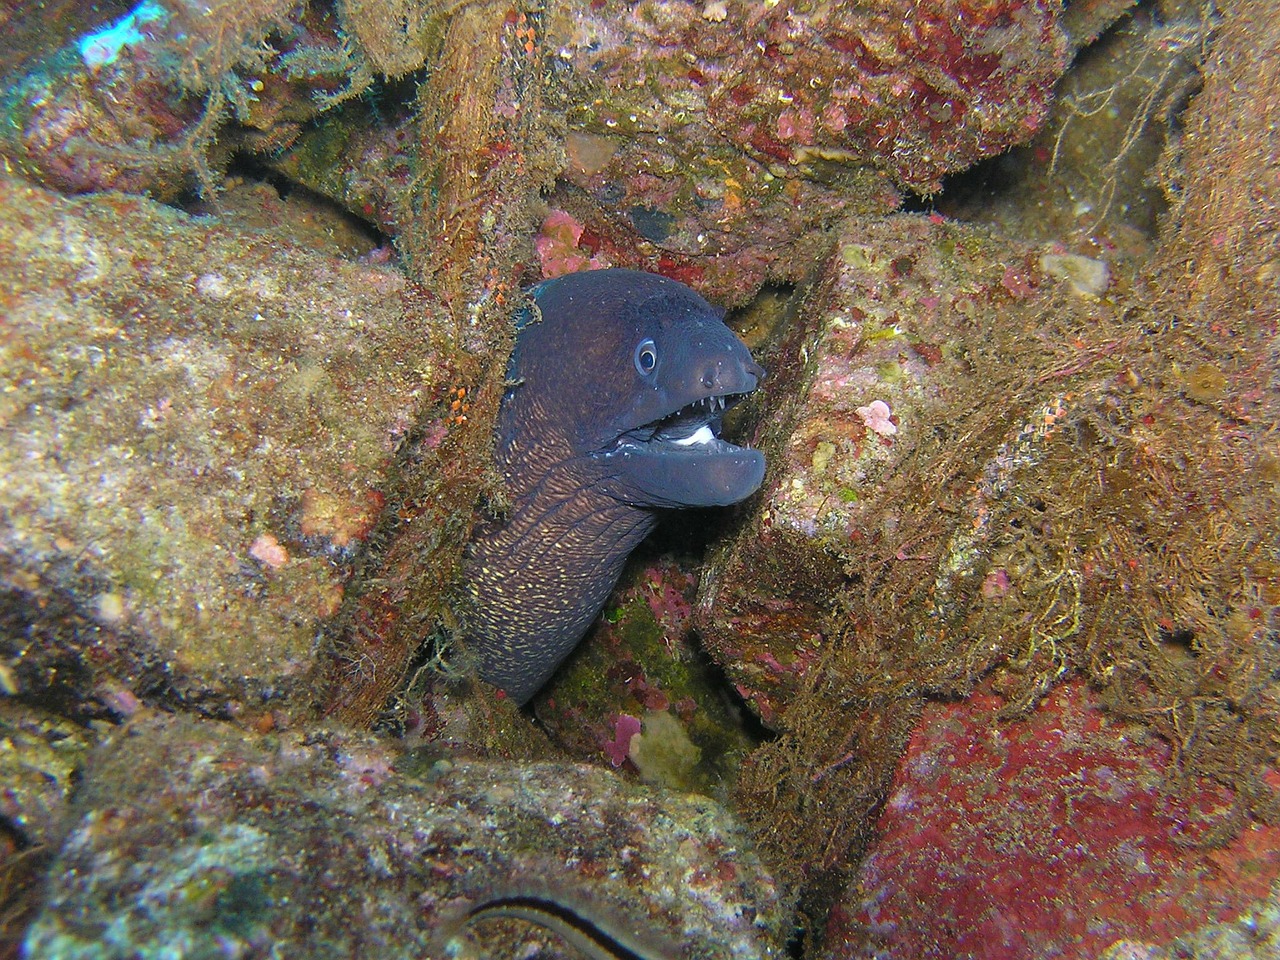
(695, 426)
(680, 461)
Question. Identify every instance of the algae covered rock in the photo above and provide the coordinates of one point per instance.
(711, 140)
(719, 136)
(135, 98)
(40, 758)
(985, 472)
(199, 417)
(922, 386)
(199, 837)
(639, 694)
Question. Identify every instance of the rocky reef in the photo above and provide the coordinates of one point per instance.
(997, 638)
(194, 447)
(717, 136)
(330, 843)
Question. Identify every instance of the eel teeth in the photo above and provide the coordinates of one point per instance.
(713, 404)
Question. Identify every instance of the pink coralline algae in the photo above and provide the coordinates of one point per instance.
(1010, 841)
(268, 551)
(877, 416)
(558, 247)
(665, 591)
(618, 749)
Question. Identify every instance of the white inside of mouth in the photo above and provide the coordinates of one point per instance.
(702, 435)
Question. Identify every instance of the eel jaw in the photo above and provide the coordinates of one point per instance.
(695, 426)
(680, 460)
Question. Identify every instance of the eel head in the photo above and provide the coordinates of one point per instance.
(635, 372)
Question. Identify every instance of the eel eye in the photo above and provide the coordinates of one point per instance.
(646, 357)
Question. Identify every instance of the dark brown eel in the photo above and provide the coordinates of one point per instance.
(618, 383)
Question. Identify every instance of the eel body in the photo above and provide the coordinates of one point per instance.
(617, 386)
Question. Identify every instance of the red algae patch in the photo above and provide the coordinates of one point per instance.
(1014, 839)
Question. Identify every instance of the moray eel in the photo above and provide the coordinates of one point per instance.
(617, 386)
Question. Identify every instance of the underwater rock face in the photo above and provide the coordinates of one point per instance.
(1253, 935)
(135, 101)
(944, 82)
(985, 472)
(198, 418)
(709, 139)
(720, 134)
(713, 141)
(908, 339)
(1092, 176)
(1053, 836)
(1222, 264)
(40, 755)
(901, 464)
(198, 837)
